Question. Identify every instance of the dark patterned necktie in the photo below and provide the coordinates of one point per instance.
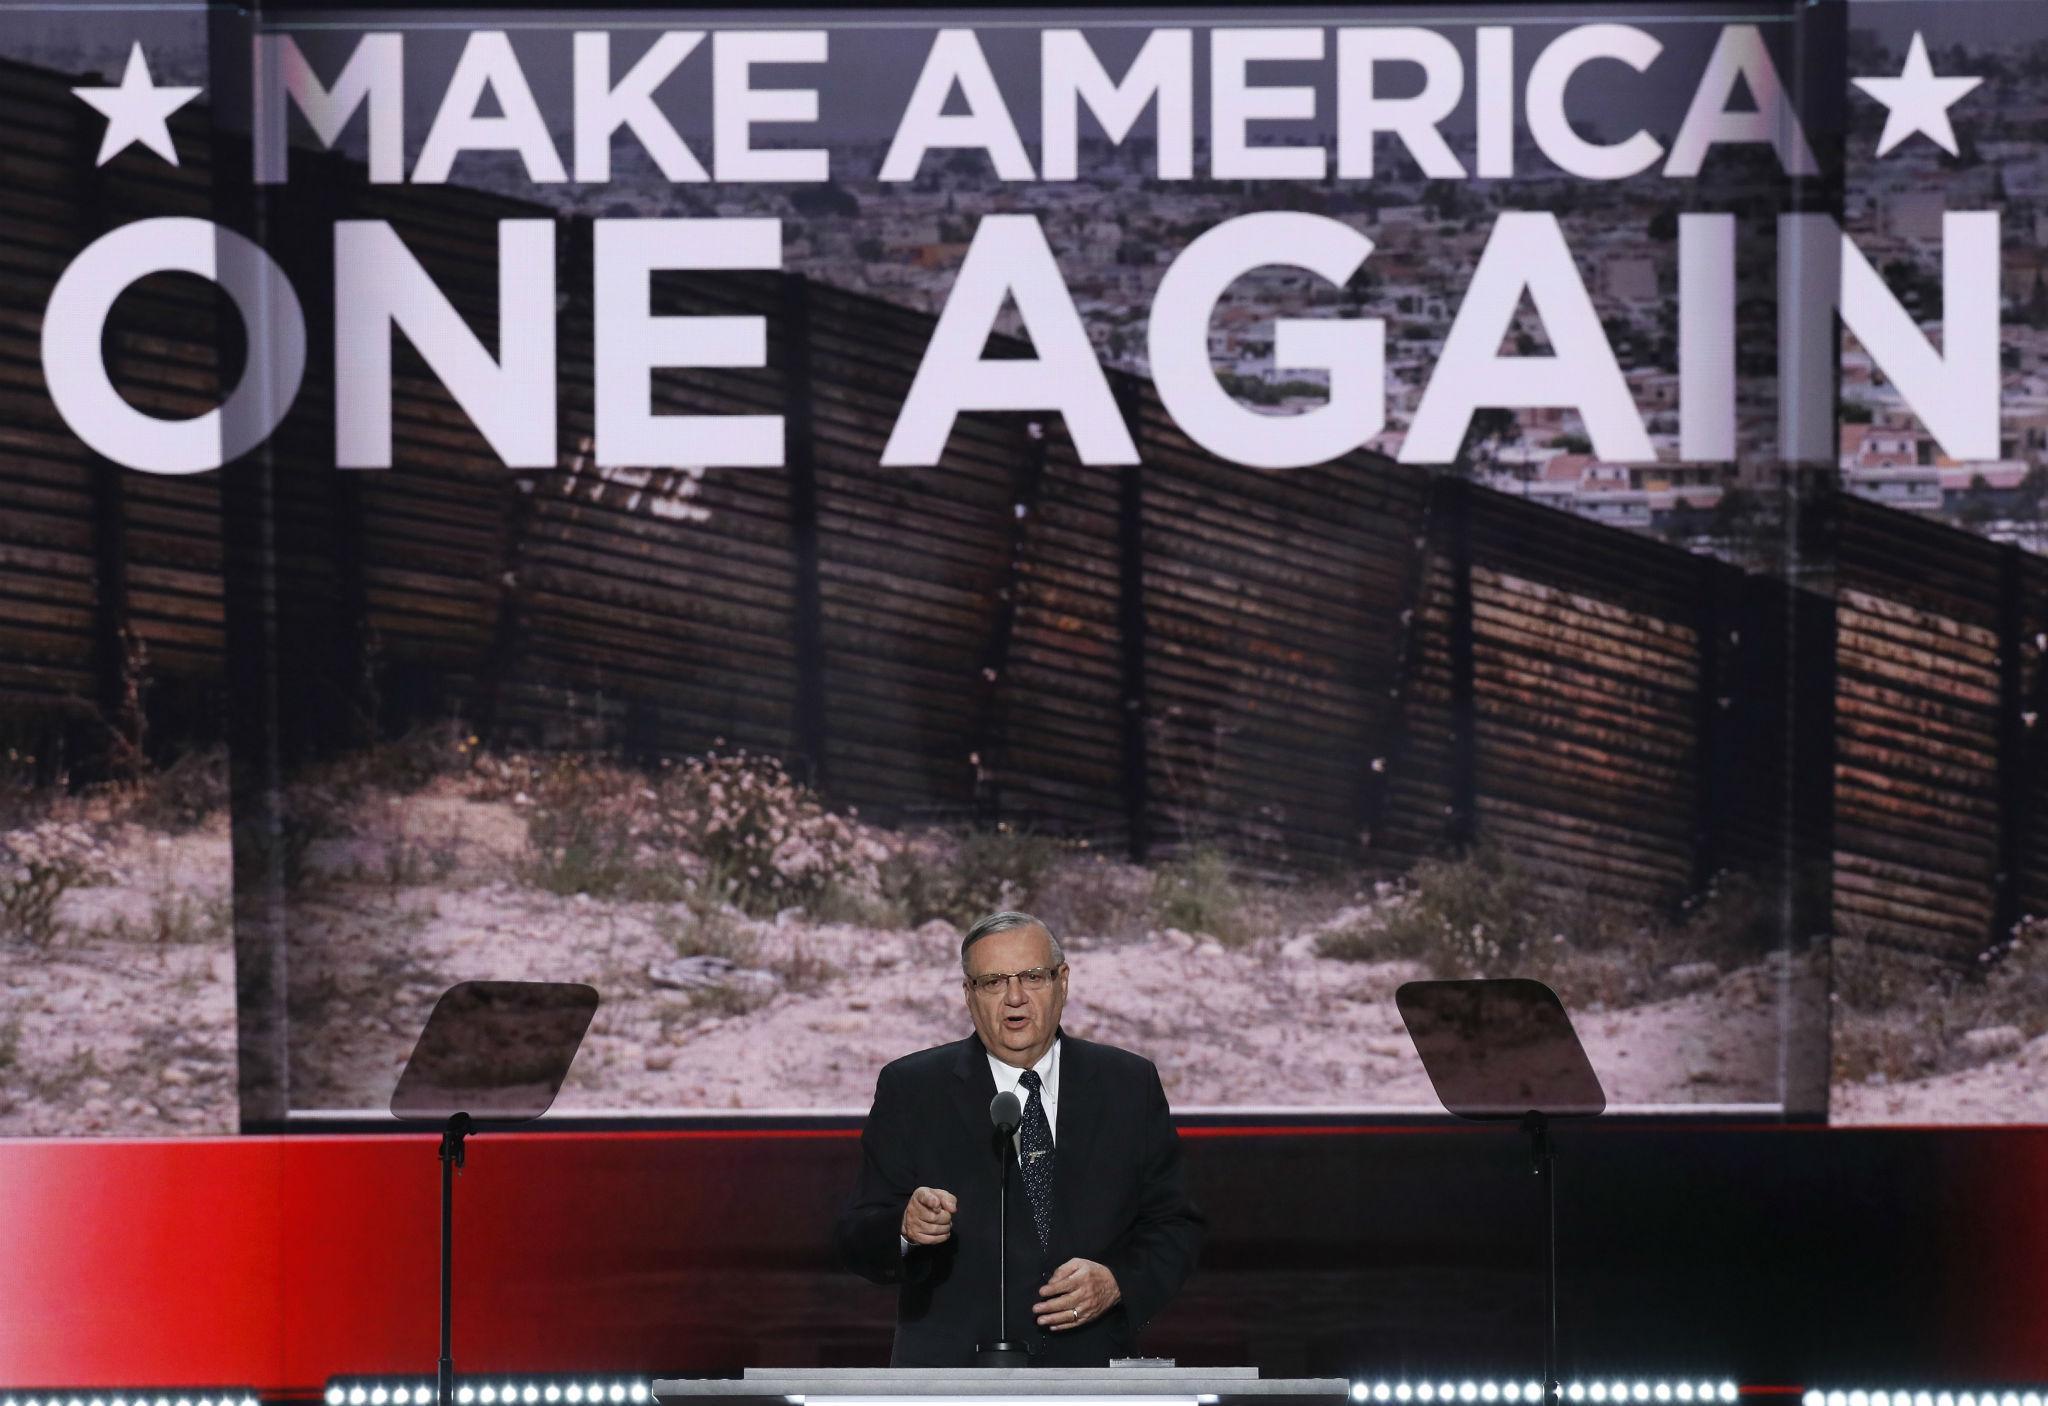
(1034, 1156)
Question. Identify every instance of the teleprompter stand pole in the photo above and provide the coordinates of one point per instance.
(495, 1052)
(1003, 1259)
(459, 1126)
(1502, 1050)
(1543, 1161)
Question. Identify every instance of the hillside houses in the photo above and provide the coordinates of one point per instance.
(1646, 497)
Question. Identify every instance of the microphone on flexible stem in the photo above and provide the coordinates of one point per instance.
(1005, 1113)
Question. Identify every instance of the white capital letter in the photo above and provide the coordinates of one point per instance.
(1553, 70)
(1361, 116)
(374, 72)
(602, 108)
(1955, 392)
(1526, 253)
(1495, 92)
(1809, 291)
(956, 57)
(76, 318)
(488, 62)
(1706, 338)
(1009, 258)
(738, 105)
(1354, 352)
(1234, 104)
(1740, 53)
(631, 343)
(379, 285)
(1070, 74)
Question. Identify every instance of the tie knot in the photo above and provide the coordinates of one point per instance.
(1029, 1079)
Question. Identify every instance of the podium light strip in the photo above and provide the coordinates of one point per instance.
(1923, 1396)
(1120, 1399)
(1604, 1392)
(134, 1396)
(479, 1391)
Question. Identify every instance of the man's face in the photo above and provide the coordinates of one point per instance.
(1015, 1025)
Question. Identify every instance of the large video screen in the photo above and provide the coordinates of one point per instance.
(708, 504)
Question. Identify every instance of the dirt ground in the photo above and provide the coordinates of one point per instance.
(120, 1022)
(2010, 1090)
(807, 1014)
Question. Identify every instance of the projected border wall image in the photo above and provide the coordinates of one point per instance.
(1733, 752)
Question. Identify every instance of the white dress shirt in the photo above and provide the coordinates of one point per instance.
(1009, 1076)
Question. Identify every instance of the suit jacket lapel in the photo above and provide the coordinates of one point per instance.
(1074, 1141)
(973, 1090)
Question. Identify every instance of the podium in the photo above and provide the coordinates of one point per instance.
(1011, 1386)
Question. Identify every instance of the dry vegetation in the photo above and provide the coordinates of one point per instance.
(117, 999)
(732, 922)
(1486, 915)
(1916, 1040)
(737, 928)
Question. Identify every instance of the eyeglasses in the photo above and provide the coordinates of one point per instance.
(1036, 979)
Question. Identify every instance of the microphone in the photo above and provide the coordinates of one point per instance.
(1006, 1113)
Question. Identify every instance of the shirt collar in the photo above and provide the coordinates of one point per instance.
(1007, 1076)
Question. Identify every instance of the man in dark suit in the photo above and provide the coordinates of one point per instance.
(1101, 1230)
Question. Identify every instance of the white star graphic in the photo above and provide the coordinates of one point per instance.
(1916, 101)
(136, 111)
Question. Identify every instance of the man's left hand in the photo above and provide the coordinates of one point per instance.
(1079, 1292)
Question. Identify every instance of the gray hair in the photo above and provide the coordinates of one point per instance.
(1003, 922)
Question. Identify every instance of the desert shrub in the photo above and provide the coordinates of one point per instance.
(1866, 976)
(1886, 1023)
(803, 967)
(1486, 914)
(23, 795)
(403, 765)
(1478, 914)
(597, 829)
(730, 1000)
(29, 893)
(1200, 892)
(735, 825)
(998, 869)
(961, 878)
(1094, 895)
(38, 864)
(704, 925)
(413, 860)
(63, 1083)
(349, 795)
(175, 919)
(2016, 977)
(1734, 919)
(917, 880)
(1359, 933)
(1902, 1015)
(765, 834)
(179, 796)
(862, 907)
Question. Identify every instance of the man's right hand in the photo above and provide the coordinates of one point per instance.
(928, 1218)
